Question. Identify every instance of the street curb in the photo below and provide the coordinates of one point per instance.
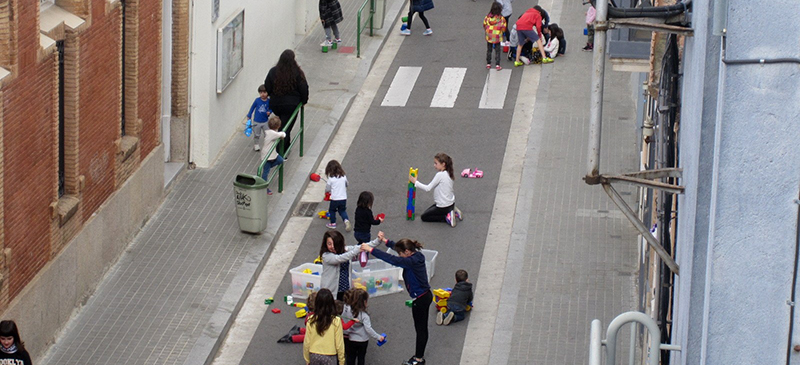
(208, 344)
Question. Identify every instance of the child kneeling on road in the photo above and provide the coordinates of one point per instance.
(458, 301)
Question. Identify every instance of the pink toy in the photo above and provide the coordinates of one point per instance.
(470, 173)
(363, 258)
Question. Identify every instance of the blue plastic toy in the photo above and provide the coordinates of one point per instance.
(248, 130)
(380, 343)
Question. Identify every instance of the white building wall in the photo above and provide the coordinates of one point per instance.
(270, 26)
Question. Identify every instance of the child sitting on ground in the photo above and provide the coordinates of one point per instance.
(458, 301)
(298, 334)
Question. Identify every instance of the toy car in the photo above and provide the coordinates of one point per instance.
(474, 174)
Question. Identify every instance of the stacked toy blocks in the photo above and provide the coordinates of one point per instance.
(412, 194)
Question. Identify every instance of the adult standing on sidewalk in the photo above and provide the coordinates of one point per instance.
(419, 6)
(330, 13)
(287, 86)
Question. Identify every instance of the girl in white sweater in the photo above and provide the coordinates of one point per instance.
(444, 208)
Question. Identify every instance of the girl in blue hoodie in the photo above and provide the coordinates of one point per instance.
(415, 275)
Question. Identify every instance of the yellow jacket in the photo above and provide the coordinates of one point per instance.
(330, 343)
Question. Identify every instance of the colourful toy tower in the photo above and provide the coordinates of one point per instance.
(412, 194)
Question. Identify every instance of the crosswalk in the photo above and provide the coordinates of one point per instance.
(493, 96)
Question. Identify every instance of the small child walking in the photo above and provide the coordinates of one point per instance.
(420, 7)
(495, 25)
(364, 218)
(324, 340)
(330, 14)
(356, 345)
(458, 301)
(337, 186)
(260, 113)
(415, 276)
(270, 135)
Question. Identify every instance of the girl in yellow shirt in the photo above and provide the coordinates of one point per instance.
(324, 341)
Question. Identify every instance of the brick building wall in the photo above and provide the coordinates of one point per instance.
(36, 222)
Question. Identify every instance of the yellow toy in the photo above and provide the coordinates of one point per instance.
(301, 313)
(318, 260)
(323, 214)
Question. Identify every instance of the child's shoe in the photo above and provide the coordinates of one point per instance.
(451, 219)
(427, 32)
(269, 192)
(547, 60)
(518, 63)
(589, 47)
(347, 226)
(499, 67)
(458, 213)
(338, 40)
(413, 361)
(488, 66)
(439, 318)
(256, 147)
(405, 32)
(326, 43)
(448, 318)
(331, 225)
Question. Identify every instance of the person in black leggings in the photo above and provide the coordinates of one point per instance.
(415, 276)
(419, 6)
(287, 86)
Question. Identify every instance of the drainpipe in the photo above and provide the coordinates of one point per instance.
(595, 118)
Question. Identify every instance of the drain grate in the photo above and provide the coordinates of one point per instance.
(306, 210)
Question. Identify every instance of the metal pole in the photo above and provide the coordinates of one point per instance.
(595, 343)
(653, 347)
(632, 350)
(302, 127)
(654, 244)
(371, 15)
(598, 74)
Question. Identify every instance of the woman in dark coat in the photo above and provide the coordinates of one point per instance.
(419, 6)
(330, 13)
(287, 87)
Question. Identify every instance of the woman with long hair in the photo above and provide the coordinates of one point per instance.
(287, 87)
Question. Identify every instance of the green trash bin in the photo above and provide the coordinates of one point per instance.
(250, 192)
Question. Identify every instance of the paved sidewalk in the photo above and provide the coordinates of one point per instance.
(173, 293)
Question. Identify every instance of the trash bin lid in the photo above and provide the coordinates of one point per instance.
(250, 182)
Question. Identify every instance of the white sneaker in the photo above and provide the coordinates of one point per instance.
(347, 226)
(256, 147)
(405, 32)
(448, 318)
(451, 219)
(326, 43)
(458, 211)
(439, 318)
(427, 32)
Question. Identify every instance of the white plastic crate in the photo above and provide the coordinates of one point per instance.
(304, 284)
(377, 278)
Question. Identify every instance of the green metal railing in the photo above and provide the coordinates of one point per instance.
(360, 27)
(301, 110)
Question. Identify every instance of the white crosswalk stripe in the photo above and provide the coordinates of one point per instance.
(401, 86)
(495, 88)
(449, 84)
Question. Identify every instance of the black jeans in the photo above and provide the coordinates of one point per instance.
(420, 310)
(285, 112)
(508, 28)
(497, 49)
(436, 214)
(355, 350)
(421, 16)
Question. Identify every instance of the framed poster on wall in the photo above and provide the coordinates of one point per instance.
(230, 50)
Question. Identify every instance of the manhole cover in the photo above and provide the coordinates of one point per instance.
(306, 210)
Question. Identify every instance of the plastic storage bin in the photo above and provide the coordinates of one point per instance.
(377, 278)
(303, 284)
(430, 261)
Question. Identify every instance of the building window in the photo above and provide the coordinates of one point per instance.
(44, 4)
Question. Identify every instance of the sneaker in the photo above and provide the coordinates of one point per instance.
(448, 318)
(331, 225)
(338, 40)
(547, 60)
(326, 43)
(256, 147)
(405, 32)
(451, 219)
(499, 67)
(413, 361)
(347, 226)
(518, 63)
(269, 192)
(488, 66)
(439, 318)
(458, 213)
(427, 32)
(588, 48)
